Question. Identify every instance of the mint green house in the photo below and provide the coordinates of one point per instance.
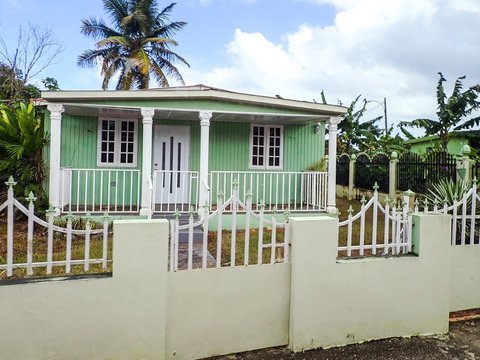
(457, 140)
(163, 150)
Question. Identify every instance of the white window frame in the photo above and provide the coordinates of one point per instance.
(116, 162)
(265, 165)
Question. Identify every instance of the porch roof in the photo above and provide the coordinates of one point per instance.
(185, 103)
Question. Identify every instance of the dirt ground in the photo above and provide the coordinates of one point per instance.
(462, 343)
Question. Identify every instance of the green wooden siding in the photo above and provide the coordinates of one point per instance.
(229, 150)
(229, 146)
(454, 146)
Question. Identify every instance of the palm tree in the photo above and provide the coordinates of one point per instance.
(451, 111)
(137, 46)
(353, 133)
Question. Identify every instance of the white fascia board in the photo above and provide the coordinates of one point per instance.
(57, 96)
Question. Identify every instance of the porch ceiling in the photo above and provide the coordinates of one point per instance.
(191, 114)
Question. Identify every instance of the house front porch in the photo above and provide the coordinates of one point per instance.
(181, 149)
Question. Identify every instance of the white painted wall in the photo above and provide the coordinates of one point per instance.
(220, 311)
(464, 277)
(145, 312)
(341, 302)
(121, 317)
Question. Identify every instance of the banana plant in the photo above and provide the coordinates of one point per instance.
(452, 113)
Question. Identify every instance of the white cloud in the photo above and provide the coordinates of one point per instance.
(379, 49)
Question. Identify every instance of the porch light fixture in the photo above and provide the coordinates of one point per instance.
(316, 129)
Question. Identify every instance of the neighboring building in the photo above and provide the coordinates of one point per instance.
(175, 148)
(456, 142)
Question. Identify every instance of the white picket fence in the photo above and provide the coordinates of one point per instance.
(396, 227)
(232, 206)
(9, 264)
(464, 212)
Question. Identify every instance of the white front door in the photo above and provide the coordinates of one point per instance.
(170, 163)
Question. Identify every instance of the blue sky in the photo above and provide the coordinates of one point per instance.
(294, 48)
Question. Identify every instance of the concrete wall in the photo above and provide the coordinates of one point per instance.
(118, 317)
(220, 311)
(146, 312)
(358, 300)
(464, 277)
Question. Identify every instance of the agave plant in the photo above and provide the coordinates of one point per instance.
(445, 192)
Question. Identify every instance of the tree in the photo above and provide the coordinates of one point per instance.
(137, 46)
(355, 134)
(36, 49)
(452, 111)
(22, 140)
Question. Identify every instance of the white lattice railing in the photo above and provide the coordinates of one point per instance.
(193, 255)
(395, 223)
(36, 241)
(100, 190)
(292, 191)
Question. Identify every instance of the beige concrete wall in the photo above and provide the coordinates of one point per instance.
(221, 311)
(122, 317)
(464, 277)
(146, 312)
(341, 302)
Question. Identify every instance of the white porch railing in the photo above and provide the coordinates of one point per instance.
(282, 191)
(174, 191)
(100, 190)
(55, 247)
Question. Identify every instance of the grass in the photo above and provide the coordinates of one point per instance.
(343, 205)
(240, 246)
(96, 244)
(59, 251)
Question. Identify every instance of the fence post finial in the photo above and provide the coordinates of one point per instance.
(11, 183)
(105, 217)
(387, 200)
(261, 205)
(176, 214)
(69, 217)
(50, 211)
(363, 201)
(350, 211)
(31, 198)
(375, 187)
(235, 184)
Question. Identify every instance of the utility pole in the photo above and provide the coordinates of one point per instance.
(385, 114)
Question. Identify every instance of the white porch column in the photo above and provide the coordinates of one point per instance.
(56, 111)
(332, 163)
(205, 117)
(147, 121)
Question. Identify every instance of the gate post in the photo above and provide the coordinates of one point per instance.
(392, 178)
(351, 176)
(464, 164)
